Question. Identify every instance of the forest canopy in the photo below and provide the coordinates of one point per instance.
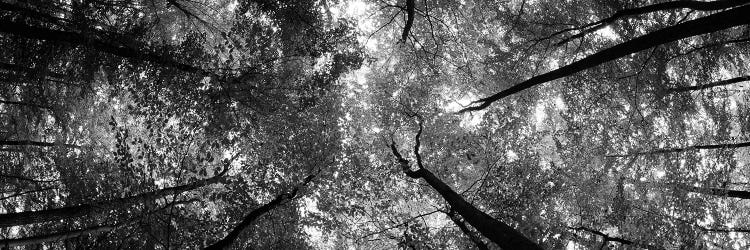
(388, 124)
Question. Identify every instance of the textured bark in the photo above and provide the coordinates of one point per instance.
(248, 220)
(35, 240)
(35, 143)
(472, 236)
(681, 4)
(720, 21)
(97, 43)
(409, 20)
(56, 214)
(719, 192)
(24, 104)
(683, 149)
(711, 85)
(606, 238)
(28, 71)
(502, 234)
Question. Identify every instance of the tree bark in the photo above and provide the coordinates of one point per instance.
(35, 143)
(680, 4)
(227, 241)
(502, 234)
(74, 38)
(56, 214)
(25, 104)
(711, 85)
(720, 21)
(34, 240)
(718, 192)
(472, 236)
(677, 150)
(409, 20)
(28, 71)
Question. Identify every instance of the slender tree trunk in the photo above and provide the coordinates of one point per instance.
(606, 238)
(502, 234)
(17, 194)
(718, 192)
(409, 20)
(227, 241)
(472, 236)
(720, 21)
(35, 240)
(55, 214)
(25, 104)
(677, 150)
(28, 71)
(35, 143)
(679, 4)
(711, 85)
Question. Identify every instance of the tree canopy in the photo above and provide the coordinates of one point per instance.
(389, 124)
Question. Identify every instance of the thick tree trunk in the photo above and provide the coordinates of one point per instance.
(500, 233)
(472, 236)
(77, 39)
(56, 214)
(227, 241)
(719, 192)
(711, 85)
(720, 21)
(35, 240)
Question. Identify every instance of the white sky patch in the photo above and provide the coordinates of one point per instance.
(539, 114)
(608, 33)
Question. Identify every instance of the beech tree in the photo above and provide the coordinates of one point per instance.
(274, 124)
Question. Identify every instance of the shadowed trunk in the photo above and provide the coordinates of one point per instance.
(36, 143)
(35, 240)
(677, 150)
(681, 4)
(227, 241)
(56, 214)
(502, 234)
(409, 20)
(472, 236)
(100, 44)
(718, 192)
(711, 85)
(720, 21)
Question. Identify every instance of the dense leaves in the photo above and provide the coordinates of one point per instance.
(274, 124)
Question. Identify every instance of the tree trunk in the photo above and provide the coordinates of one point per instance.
(503, 235)
(76, 39)
(677, 150)
(472, 236)
(719, 192)
(711, 85)
(227, 241)
(28, 71)
(34, 240)
(35, 143)
(680, 4)
(720, 21)
(25, 104)
(56, 214)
